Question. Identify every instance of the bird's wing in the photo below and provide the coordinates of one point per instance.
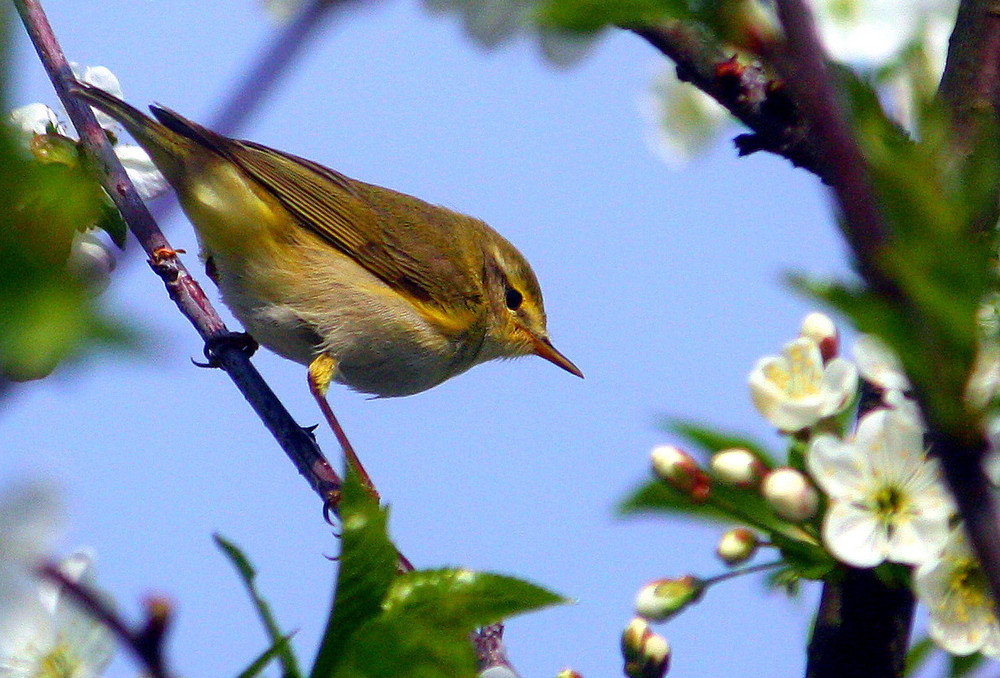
(353, 218)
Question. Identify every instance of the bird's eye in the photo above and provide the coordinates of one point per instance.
(513, 298)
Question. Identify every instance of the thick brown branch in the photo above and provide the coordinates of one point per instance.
(862, 628)
(970, 84)
(745, 91)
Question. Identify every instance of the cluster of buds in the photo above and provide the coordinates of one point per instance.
(647, 654)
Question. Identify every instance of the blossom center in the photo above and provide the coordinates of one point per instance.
(59, 662)
(800, 378)
(966, 590)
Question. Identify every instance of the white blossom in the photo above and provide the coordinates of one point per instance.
(682, 121)
(886, 497)
(878, 364)
(38, 118)
(956, 593)
(42, 634)
(869, 33)
(795, 390)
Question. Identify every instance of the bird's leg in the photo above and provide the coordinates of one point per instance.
(321, 372)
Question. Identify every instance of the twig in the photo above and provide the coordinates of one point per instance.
(490, 650)
(297, 443)
(146, 643)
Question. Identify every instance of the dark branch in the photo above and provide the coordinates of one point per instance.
(147, 643)
(760, 103)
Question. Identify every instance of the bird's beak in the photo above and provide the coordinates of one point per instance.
(545, 349)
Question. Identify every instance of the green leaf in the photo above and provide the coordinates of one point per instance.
(368, 564)
(593, 15)
(406, 645)
(280, 647)
(279, 643)
(390, 624)
(726, 505)
(112, 223)
(47, 316)
(712, 440)
(427, 619)
(463, 599)
(658, 497)
(809, 560)
(963, 666)
(918, 655)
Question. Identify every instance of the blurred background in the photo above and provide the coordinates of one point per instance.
(663, 284)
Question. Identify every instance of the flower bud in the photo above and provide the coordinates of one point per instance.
(647, 654)
(91, 262)
(675, 467)
(790, 494)
(568, 673)
(820, 328)
(737, 546)
(738, 467)
(664, 598)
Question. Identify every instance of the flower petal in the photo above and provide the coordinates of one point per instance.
(853, 535)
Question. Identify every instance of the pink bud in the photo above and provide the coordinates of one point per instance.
(678, 469)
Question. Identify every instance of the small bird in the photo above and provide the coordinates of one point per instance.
(367, 286)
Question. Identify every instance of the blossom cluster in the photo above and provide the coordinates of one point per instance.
(859, 494)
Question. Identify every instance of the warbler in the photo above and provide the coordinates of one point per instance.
(365, 285)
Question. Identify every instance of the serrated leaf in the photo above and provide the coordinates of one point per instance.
(426, 621)
(406, 645)
(367, 567)
(463, 599)
(279, 643)
(711, 440)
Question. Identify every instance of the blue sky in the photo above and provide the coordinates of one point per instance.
(664, 286)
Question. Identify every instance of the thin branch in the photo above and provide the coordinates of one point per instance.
(297, 443)
(801, 61)
(147, 643)
(490, 649)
